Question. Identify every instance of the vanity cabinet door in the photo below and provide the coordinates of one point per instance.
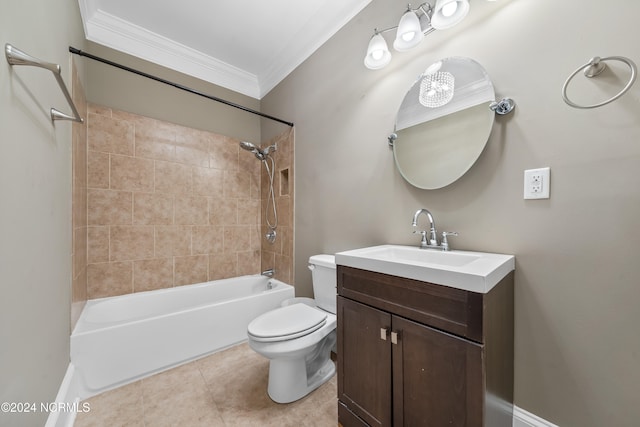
(437, 378)
(364, 361)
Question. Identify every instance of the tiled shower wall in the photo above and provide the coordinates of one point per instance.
(169, 205)
(279, 255)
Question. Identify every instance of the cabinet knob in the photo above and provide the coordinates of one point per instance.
(383, 333)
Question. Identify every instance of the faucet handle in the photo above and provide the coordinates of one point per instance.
(445, 242)
(423, 241)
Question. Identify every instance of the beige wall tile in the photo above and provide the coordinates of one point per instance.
(155, 140)
(249, 211)
(268, 260)
(191, 269)
(172, 240)
(106, 207)
(79, 250)
(192, 146)
(237, 184)
(256, 238)
(99, 109)
(109, 279)
(98, 244)
(223, 152)
(286, 234)
(237, 238)
(152, 274)
(97, 169)
(190, 194)
(207, 239)
(283, 265)
(223, 211)
(173, 178)
(223, 266)
(152, 208)
(248, 262)
(191, 210)
(131, 242)
(132, 174)
(208, 182)
(110, 135)
(285, 217)
(79, 293)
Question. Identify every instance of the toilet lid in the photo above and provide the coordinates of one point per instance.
(287, 323)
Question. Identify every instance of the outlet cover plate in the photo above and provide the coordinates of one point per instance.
(537, 183)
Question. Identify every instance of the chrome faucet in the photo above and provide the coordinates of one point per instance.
(433, 234)
(269, 273)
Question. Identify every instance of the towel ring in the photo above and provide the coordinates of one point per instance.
(593, 68)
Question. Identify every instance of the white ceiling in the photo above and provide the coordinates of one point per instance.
(246, 46)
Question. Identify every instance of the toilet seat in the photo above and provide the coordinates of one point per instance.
(286, 323)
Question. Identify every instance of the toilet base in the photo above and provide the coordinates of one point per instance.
(284, 379)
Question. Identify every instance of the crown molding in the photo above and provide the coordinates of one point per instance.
(304, 44)
(118, 34)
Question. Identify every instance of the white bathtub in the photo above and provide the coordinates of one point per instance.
(120, 339)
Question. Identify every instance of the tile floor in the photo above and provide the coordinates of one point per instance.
(228, 388)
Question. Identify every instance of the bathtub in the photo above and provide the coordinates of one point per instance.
(120, 339)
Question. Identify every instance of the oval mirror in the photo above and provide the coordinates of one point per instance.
(443, 123)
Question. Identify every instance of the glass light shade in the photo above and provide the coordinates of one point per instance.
(378, 55)
(447, 13)
(409, 33)
(436, 89)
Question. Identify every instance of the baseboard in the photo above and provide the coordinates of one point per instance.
(522, 418)
(67, 400)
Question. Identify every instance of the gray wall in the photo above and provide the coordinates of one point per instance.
(577, 269)
(35, 200)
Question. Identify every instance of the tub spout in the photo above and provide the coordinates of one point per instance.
(269, 273)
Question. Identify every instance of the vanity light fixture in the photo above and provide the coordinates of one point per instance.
(410, 31)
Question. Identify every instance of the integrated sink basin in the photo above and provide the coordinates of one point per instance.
(471, 271)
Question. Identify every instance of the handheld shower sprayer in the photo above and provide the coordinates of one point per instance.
(252, 148)
(263, 156)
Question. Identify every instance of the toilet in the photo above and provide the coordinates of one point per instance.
(298, 337)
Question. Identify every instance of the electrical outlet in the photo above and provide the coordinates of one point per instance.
(537, 183)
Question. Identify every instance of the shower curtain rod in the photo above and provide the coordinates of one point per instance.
(176, 85)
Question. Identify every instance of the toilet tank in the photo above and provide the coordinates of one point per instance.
(323, 274)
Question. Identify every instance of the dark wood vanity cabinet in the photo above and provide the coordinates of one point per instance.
(412, 353)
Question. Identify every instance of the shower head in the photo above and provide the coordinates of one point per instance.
(260, 154)
(248, 146)
(252, 147)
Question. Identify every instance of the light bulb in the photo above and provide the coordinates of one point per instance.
(408, 36)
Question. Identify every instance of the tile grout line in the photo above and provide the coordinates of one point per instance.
(209, 392)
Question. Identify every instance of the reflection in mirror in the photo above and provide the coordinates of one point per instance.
(443, 123)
